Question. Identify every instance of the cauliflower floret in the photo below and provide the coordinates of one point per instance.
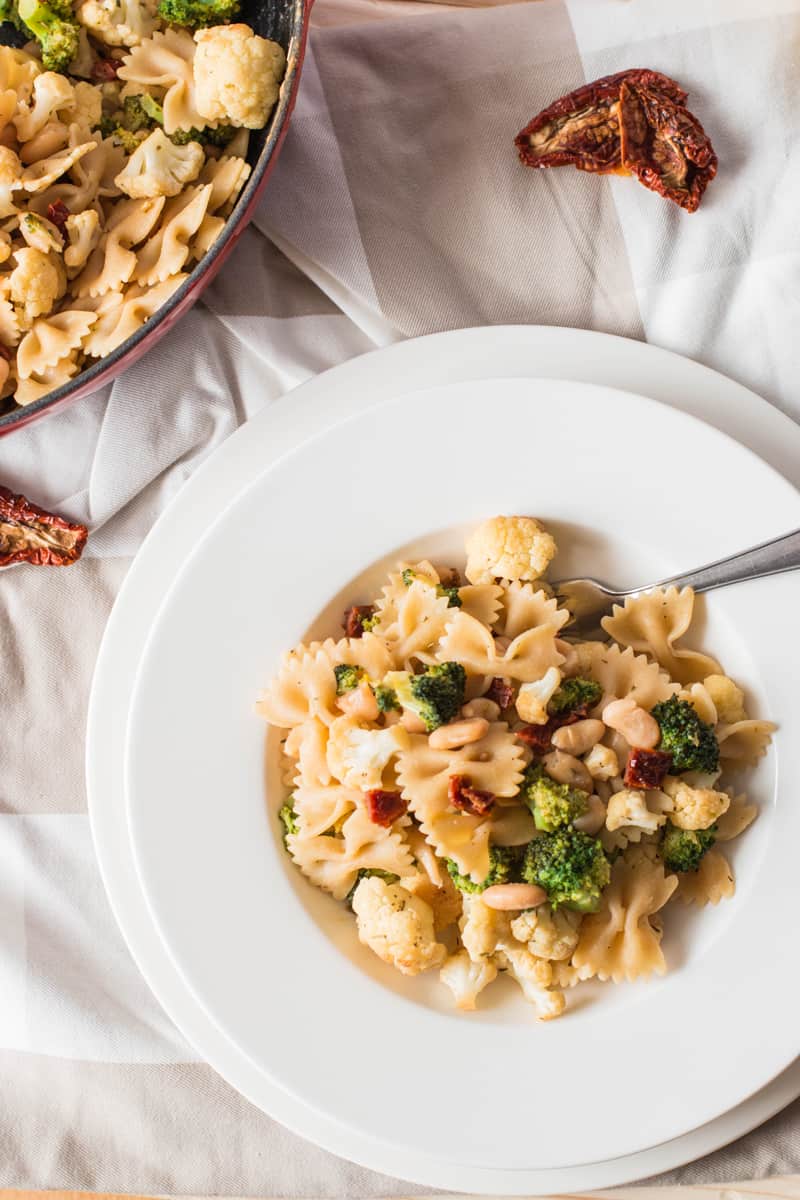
(37, 281)
(508, 548)
(533, 698)
(694, 808)
(467, 979)
(10, 179)
(601, 762)
(119, 22)
(397, 926)
(629, 807)
(548, 934)
(482, 927)
(728, 699)
(534, 976)
(160, 168)
(83, 231)
(87, 106)
(444, 898)
(237, 75)
(40, 233)
(357, 756)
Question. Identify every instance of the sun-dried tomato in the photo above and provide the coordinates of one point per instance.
(104, 70)
(384, 808)
(501, 691)
(463, 796)
(582, 128)
(539, 738)
(635, 122)
(664, 145)
(32, 534)
(58, 213)
(646, 768)
(354, 618)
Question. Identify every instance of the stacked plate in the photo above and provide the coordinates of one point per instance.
(435, 434)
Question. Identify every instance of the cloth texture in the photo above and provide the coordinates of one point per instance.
(397, 208)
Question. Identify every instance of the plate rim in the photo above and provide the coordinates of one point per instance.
(460, 354)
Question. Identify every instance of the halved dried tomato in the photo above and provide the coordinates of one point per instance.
(463, 796)
(384, 808)
(354, 618)
(646, 768)
(31, 534)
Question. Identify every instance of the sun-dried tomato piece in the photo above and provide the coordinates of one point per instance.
(32, 534)
(501, 692)
(463, 796)
(384, 808)
(354, 618)
(104, 70)
(582, 128)
(539, 738)
(58, 213)
(664, 144)
(646, 768)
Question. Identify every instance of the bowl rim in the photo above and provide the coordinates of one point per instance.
(106, 369)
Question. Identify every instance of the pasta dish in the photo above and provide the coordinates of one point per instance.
(488, 793)
(125, 126)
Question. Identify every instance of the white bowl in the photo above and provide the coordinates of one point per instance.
(633, 491)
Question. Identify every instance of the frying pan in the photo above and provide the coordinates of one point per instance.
(286, 22)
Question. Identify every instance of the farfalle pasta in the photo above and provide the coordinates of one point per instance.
(123, 153)
(488, 793)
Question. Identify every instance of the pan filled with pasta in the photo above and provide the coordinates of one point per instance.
(136, 138)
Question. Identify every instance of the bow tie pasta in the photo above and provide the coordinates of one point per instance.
(488, 794)
(124, 151)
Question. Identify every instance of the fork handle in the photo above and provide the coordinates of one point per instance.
(770, 558)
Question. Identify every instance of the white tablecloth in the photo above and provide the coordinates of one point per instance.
(398, 208)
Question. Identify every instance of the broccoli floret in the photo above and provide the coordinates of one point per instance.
(197, 14)
(574, 693)
(369, 623)
(9, 12)
(54, 28)
(552, 804)
(503, 865)
(367, 873)
(691, 742)
(140, 112)
(347, 678)
(436, 696)
(288, 818)
(570, 866)
(127, 140)
(682, 849)
(213, 137)
(453, 598)
(386, 698)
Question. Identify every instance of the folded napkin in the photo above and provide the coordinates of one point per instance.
(398, 207)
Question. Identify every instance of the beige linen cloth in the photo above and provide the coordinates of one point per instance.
(398, 208)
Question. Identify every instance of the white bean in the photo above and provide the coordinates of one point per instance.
(593, 819)
(481, 707)
(580, 737)
(565, 768)
(458, 733)
(513, 896)
(634, 723)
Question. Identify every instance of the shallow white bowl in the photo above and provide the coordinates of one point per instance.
(633, 491)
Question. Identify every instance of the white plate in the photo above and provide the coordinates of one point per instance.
(621, 481)
(471, 354)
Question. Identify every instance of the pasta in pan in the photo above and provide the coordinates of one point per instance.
(489, 794)
(123, 145)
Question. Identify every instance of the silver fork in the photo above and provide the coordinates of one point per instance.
(589, 600)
